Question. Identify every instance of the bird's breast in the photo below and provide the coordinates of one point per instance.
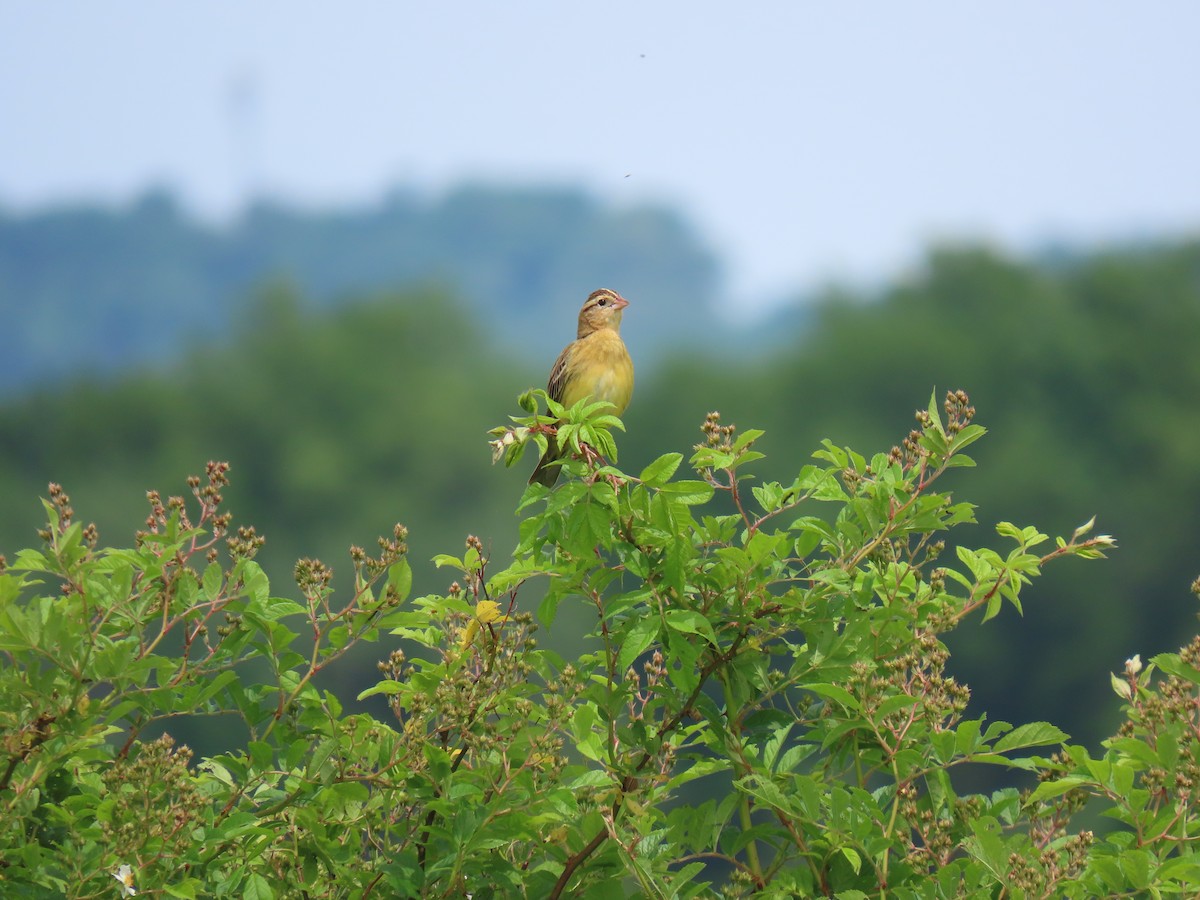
(601, 368)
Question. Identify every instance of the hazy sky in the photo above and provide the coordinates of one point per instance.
(805, 140)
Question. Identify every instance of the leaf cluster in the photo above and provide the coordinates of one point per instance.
(767, 710)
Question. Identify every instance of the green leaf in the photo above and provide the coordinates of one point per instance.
(400, 578)
(747, 437)
(966, 736)
(589, 525)
(934, 411)
(969, 434)
(384, 687)
(987, 846)
(813, 531)
(836, 693)
(185, 889)
(1121, 687)
(258, 587)
(832, 453)
(1135, 863)
(853, 857)
(690, 622)
(691, 493)
(1059, 786)
(214, 578)
(769, 496)
(1185, 870)
(661, 470)
(1035, 734)
(641, 635)
(941, 792)
(586, 739)
(894, 704)
(1173, 664)
(261, 754)
(257, 888)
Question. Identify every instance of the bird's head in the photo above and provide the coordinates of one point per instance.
(602, 309)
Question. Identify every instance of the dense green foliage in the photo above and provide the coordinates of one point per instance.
(1089, 372)
(787, 654)
(325, 420)
(338, 423)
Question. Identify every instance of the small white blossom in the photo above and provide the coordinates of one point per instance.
(1133, 665)
(507, 438)
(124, 875)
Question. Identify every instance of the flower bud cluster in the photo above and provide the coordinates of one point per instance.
(156, 804)
(715, 434)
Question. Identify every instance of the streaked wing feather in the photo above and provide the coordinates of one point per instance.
(557, 386)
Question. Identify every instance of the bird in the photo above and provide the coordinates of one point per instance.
(595, 365)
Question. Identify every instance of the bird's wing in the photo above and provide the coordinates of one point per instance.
(557, 386)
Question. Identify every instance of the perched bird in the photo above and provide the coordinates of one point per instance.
(595, 364)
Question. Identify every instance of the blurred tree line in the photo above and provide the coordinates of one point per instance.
(340, 420)
(91, 288)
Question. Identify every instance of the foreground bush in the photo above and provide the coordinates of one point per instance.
(766, 712)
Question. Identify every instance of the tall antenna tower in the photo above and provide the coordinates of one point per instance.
(243, 109)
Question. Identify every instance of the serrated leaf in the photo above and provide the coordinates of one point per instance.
(852, 857)
(746, 438)
(1058, 787)
(528, 401)
(257, 888)
(640, 636)
(400, 578)
(383, 687)
(1121, 687)
(690, 622)
(214, 578)
(934, 412)
(661, 470)
(836, 693)
(1172, 664)
(969, 434)
(691, 493)
(1034, 734)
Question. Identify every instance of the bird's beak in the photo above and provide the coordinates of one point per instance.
(621, 302)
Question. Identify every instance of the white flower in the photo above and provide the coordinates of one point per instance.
(1133, 665)
(125, 876)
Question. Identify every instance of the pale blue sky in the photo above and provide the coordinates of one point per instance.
(805, 140)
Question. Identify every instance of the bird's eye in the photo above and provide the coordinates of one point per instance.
(603, 301)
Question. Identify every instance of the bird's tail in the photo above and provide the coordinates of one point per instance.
(547, 469)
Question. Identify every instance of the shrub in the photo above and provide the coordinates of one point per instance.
(765, 710)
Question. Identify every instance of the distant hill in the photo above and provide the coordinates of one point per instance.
(92, 289)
